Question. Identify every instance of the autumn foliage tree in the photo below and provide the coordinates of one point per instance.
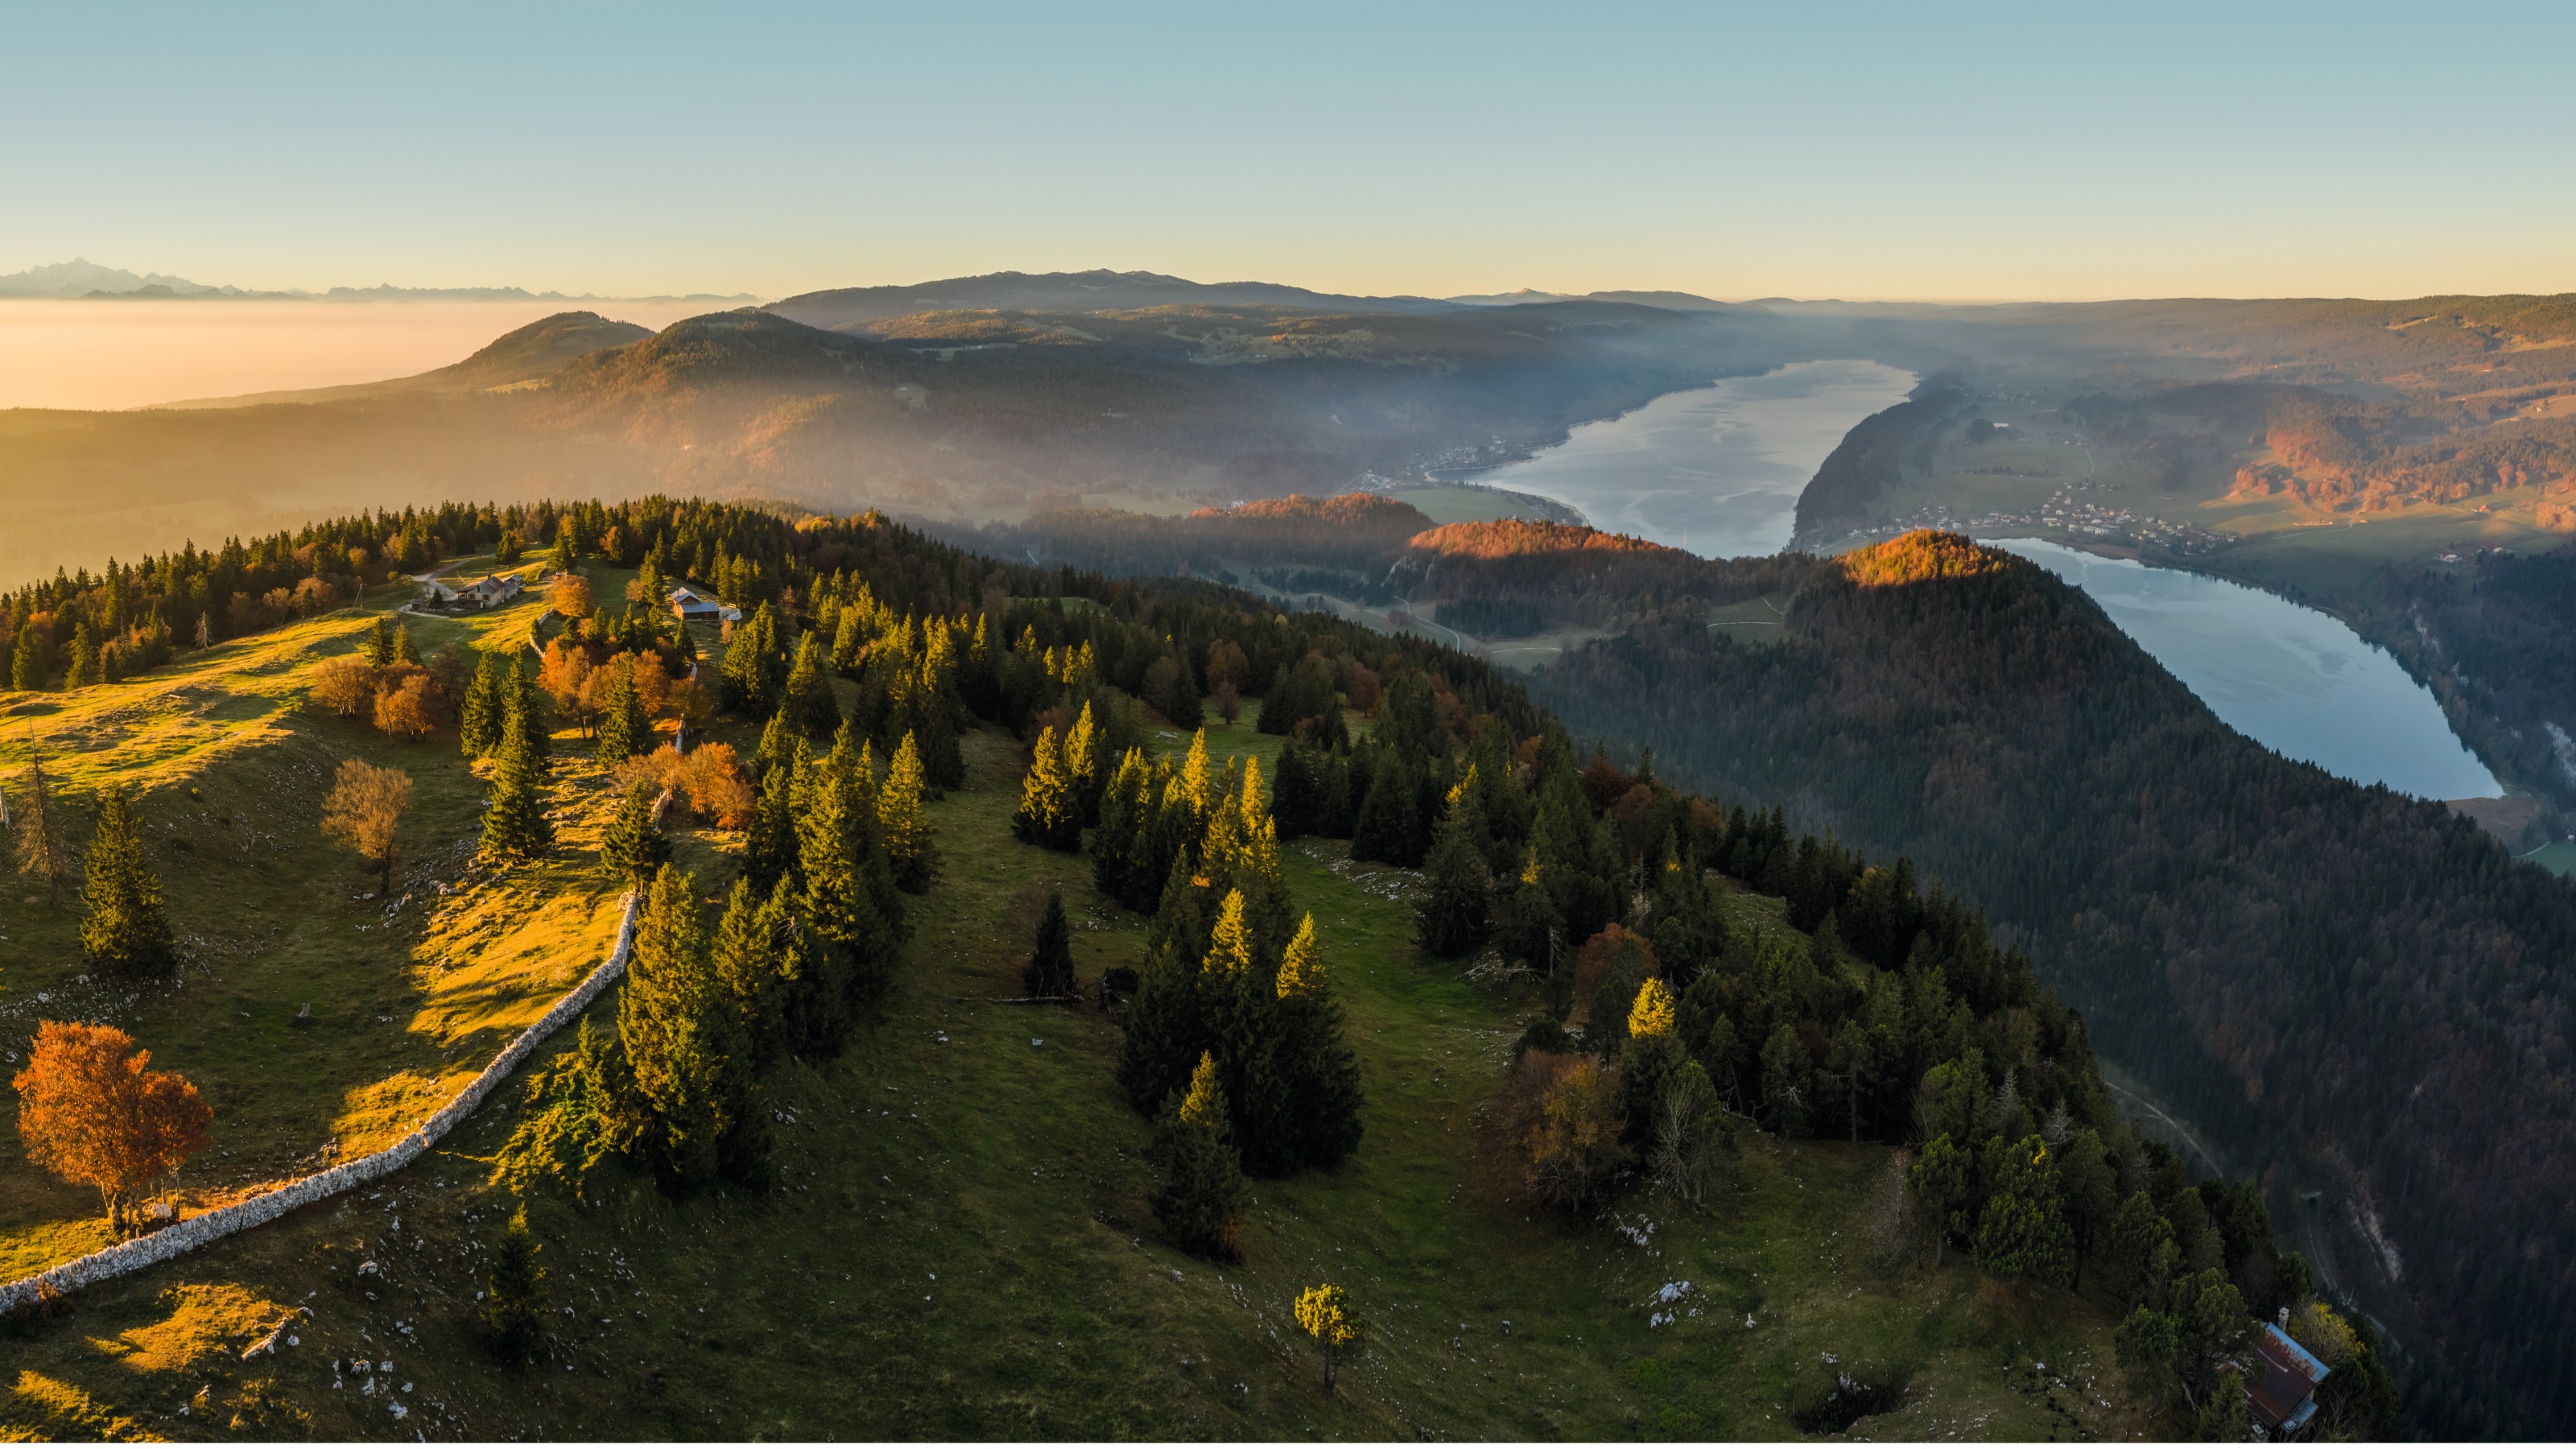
(364, 810)
(92, 1112)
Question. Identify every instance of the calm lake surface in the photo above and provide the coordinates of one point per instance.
(2294, 679)
(1716, 470)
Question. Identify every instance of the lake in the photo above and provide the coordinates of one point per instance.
(1718, 469)
(2287, 676)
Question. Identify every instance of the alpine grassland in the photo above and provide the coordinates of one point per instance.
(957, 1241)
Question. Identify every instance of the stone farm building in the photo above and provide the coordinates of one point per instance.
(491, 590)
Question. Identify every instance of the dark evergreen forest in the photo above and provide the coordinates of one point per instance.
(2340, 981)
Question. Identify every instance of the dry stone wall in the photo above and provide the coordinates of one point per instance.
(196, 1232)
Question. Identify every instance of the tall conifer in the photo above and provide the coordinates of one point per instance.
(625, 731)
(486, 706)
(515, 827)
(633, 848)
(125, 932)
(902, 822)
(1201, 1199)
(680, 1039)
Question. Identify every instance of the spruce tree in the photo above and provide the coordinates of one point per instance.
(678, 1031)
(125, 932)
(1450, 920)
(1049, 969)
(1201, 1197)
(27, 666)
(633, 847)
(769, 847)
(521, 703)
(625, 731)
(515, 827)
(903, 824)
(754, 958)
(83, 668)
(835, 900)
(1048, 814)
(1123, 814)
(806, 701)
(378, 651)
(1385, 818)
(1082, 766)
(480, 721)
(513, 1310)
(403, 650)
(40, 848)
(754, 670)
(1316, 1073)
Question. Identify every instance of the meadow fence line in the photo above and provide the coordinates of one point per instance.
(196, 1232)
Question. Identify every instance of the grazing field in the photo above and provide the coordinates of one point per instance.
(958, 1243)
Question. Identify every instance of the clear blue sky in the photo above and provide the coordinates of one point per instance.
(1924, 151)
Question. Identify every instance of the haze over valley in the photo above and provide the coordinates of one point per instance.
(1659, 723)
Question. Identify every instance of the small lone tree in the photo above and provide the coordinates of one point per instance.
(1049, 970)
(633, 847)
(125, 932)
(364, 810)
(41, 850)
(92, 1112)
(1325, 1315)
(1200, 1202)
(512, 1311)
(903, 824)
(1939, 1182)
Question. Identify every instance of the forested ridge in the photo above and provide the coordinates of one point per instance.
(2331, 976)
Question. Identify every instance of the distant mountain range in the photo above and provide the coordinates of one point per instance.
(84, 280)
(1102, 290)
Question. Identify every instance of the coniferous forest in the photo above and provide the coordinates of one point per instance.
(2348, 987)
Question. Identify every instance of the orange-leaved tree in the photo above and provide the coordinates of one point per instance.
(93, 1112)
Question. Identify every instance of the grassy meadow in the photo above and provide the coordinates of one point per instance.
(958, 1243)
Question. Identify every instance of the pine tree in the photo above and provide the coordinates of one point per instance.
(513, 1312)
(125, 932)
(480, 721)
(1048, 814)
(903, 824)
(806, 700)
(633, 847)
(625, 731)
(1049, 969)
(515, 827)
(403, 651)
(1450, 920)
(1201, 1198)
(678, 1031)
(41, 850)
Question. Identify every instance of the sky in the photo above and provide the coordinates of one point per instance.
(1951, 152)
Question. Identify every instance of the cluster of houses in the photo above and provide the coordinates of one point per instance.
(491, 590)
(687, 605)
